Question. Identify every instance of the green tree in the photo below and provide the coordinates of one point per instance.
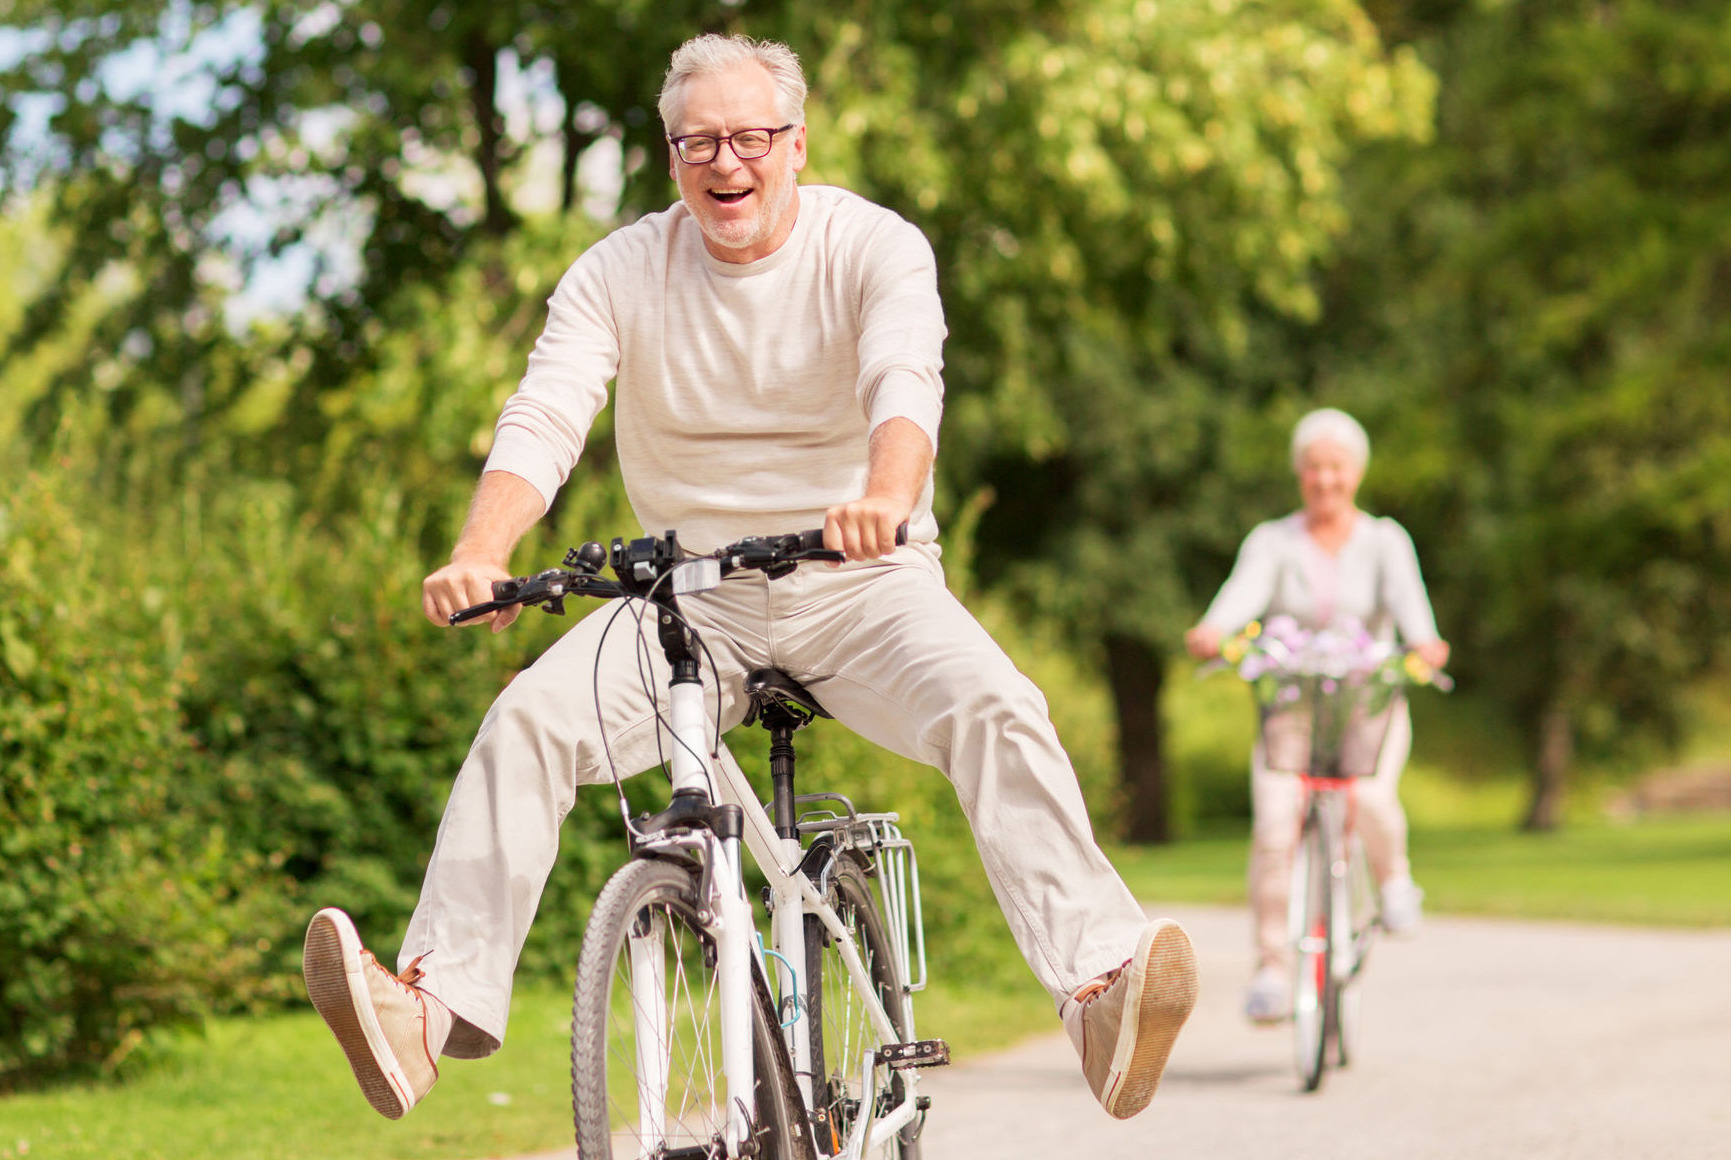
(1132, 204)
(184, 149)
(1540, 299)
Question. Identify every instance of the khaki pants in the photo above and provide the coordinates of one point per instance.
(887, 650)
(1275, 800)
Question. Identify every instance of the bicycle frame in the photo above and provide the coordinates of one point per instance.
(795, 896)
(1334, 801)
(1325, 698)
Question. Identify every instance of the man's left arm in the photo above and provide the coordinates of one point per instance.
(899, 463)
(901, 388)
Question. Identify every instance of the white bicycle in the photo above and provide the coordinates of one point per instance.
(693, 1037)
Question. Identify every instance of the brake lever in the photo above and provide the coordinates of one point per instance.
(547, 589)
(506, 594)
(476, 610)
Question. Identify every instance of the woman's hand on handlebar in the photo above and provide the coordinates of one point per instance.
(1434, 653)
(461, 584)
(1203, 642)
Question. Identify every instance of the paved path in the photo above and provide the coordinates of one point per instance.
(1482, 1040)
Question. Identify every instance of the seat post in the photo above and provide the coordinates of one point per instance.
(781, 778)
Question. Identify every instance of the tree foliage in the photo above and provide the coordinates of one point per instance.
(1132, 204)
(1538, 306)
(1129, 201)
(188, 149)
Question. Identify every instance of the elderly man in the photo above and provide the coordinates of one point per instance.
(776, 354)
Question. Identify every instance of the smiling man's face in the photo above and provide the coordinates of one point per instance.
(746, 209)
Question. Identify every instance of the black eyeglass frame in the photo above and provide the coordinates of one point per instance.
(679, 147)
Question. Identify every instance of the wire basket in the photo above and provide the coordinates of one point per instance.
(1325, 726)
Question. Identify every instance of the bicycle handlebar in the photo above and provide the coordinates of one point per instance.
(642, 565)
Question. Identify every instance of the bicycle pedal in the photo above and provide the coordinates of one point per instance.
(919, 1053)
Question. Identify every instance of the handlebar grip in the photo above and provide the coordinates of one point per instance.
(813, 539)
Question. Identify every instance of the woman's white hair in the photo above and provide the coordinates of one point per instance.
(1335, 426)
(713, 53)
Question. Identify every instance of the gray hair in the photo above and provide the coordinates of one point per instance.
(1336, 427)
(713, 53)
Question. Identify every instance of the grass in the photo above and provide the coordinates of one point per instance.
(275, 1088)
(1661, 872)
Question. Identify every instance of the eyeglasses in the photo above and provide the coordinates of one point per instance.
(747, 144)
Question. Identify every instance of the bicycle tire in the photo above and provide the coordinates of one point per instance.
(1312, 988)
(1358, 895)
(655, 903)
(840, 1030)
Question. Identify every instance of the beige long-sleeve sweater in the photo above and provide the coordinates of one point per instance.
(745, 394)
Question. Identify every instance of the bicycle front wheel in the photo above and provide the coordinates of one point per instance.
(1309, 924)
(1355, 896)
(646, 1061)
(842, 1031)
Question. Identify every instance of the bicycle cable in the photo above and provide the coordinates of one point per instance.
(646, 679)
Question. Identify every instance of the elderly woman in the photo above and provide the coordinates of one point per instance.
(1328, 561)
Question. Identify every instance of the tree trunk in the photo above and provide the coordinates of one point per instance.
(574, 141)
(482, 58)
(1556, 752)
(569, 77)
(1137, 673)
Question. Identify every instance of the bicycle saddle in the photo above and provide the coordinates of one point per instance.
(778, 698)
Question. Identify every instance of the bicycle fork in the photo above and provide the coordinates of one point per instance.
(1335, 804)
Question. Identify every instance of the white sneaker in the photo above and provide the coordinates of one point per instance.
(1402, 906)
(1269, 997)
(390, 1029)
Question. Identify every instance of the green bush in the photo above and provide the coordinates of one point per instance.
(288, 720)
(125, 905)
(1211, 726)
(335, 717)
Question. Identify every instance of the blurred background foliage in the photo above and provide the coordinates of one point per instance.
(268, 269)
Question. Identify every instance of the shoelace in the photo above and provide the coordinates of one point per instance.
(411, 975)
(1093, 989)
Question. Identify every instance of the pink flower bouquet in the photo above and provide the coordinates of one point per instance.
(1326, 694)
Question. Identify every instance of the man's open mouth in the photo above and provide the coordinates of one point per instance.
(729, 196)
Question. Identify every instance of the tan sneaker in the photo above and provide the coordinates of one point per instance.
(391, 1030)
(1125, 1023)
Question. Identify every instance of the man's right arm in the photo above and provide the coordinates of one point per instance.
(504, 508)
